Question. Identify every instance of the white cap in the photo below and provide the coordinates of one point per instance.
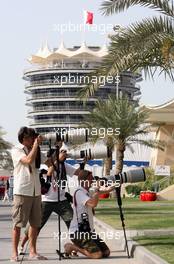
(43, 167)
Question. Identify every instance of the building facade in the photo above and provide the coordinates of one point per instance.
(55, 79)
(162, 119)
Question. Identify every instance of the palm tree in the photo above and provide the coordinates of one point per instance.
(131, 121)
(5, 156)
(147, 45)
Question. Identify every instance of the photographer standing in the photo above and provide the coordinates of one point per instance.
(50, 201)
(82, 234)
(27, 190)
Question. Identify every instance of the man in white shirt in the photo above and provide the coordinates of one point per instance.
(50, 201)
(81, 229)
(27, 190)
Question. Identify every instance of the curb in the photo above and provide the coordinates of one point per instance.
(143, 255)
(139, 253)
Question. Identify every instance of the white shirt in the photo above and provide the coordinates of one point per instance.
(52, 194)
(25, 183)
(82, 196)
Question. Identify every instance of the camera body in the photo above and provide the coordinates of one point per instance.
(69, 197)
(84, 226)
(45, 184)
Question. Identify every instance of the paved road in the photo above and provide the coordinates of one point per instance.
(48, 243)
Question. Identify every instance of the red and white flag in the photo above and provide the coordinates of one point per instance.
(88, 17)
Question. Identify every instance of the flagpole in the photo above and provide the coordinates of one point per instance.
(83, 34)
(84, 27)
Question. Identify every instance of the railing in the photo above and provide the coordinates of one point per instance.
(65, 66)
(51, 82)
(55, 121)
(56, 81)
(59, 108)
(42, 82)
(163, 183)
(51, 95)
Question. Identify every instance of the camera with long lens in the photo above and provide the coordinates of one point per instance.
(72, 136)
(78, 137)
(84, 226)
(93, 151)
(131, 176)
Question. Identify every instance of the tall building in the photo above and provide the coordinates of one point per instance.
(56, 77)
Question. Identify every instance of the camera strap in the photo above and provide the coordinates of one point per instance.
(38, 158)
(63, 174)
(29, 166)
(75, 204)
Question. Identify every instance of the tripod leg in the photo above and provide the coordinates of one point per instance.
(59, 228)
(119, 201)
(58, 196)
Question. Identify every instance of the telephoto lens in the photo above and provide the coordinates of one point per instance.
(93, 151)
(72, 136)
(132, 176)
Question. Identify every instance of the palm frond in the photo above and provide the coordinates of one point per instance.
(4, 145)
(150, 143)
(5, 156)
(110, 7)
(138, 47)
(152, 30)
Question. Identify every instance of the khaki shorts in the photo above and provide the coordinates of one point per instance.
(26, 208)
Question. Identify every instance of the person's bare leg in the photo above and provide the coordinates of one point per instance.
(69, 247)
(33, 232)
(24, 240)
(15, 240)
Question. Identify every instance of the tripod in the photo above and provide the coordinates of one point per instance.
(119, 202)
(58, 178)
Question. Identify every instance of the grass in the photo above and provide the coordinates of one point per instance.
(143, 215)
(161, 246)
(138, 215)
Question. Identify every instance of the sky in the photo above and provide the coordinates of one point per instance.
(26, 25)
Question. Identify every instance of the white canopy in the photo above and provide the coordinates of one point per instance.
(45, 55)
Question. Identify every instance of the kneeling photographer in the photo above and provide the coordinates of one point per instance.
(82, 234)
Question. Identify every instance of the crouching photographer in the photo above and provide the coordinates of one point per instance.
(82, 234)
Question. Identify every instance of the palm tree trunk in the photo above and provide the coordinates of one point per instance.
(107, 166)
(108, 160)
(120, 149)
